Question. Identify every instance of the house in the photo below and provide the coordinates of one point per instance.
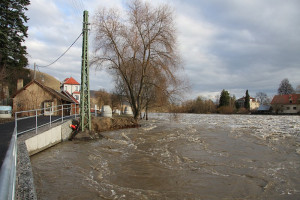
(254, 104)
(286, 104)
(71, 86)
(35, 95)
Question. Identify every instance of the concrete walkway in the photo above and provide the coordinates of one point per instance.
(7, 129)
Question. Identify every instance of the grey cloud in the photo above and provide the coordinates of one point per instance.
(234, 45)
(256, 43)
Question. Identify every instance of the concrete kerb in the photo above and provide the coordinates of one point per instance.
(31, 143)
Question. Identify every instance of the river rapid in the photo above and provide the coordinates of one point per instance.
(183, 156)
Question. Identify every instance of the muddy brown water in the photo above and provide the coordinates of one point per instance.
(168, 158)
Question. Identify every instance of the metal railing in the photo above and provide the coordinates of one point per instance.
(8, 170)
(44, 116)
(34, 119)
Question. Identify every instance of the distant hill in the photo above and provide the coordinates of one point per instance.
(46, 79)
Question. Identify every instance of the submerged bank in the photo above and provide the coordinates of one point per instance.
(102, 124)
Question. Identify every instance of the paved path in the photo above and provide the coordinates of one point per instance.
(7, 129)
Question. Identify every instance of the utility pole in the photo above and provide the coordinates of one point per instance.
(85, 108)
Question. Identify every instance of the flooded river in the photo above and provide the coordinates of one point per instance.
(178, 157)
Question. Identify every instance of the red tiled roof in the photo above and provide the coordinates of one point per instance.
(286, 99)
(71, 81)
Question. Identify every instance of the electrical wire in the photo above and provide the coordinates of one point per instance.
(81, 5)
(63, 53)
(77, 7)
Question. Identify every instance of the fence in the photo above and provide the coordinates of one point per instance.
(26, 121)
(8, 170)
(29, 120)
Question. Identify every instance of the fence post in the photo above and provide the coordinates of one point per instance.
(35, 121)
(51, 109)
(16, 122)
(62, 112)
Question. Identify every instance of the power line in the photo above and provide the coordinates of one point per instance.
(63, 53)
(81, 5)
(77, 7)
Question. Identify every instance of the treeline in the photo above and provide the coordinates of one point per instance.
(102, 97)
(199, 105)
(225, 104)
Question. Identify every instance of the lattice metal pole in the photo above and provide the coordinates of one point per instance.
(85, 108)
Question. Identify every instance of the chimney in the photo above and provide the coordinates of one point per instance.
(19, 84)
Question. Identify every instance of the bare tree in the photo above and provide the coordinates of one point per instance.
(136, 47)
(298, 89)
(103, 97)
(263, 98)
(285, 87)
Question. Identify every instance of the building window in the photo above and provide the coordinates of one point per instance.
(294, 108)
(76, 88)
(287, 107)
(76, 97)
(48, 107)
(66, 88)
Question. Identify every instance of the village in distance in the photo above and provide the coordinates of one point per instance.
(287, 101)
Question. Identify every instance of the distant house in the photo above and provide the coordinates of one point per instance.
(35, 95)
(254, 104)
(72, 87)
(286, 104)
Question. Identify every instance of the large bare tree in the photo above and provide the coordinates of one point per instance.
(285, 87)
(139, 49)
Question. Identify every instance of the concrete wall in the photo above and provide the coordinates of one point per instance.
(48, 138)
(71, 88)
(290, 109)
(35, 143)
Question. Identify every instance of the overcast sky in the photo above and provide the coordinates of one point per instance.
(224, 44)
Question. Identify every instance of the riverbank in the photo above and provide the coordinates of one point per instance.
(101, 124)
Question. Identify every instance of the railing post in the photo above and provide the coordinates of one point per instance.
(35, 121)
(16, 122)
(50, 114)
(62, 112)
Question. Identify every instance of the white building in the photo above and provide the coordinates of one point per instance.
(254, 104)
(286, 104)
(71, 86)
